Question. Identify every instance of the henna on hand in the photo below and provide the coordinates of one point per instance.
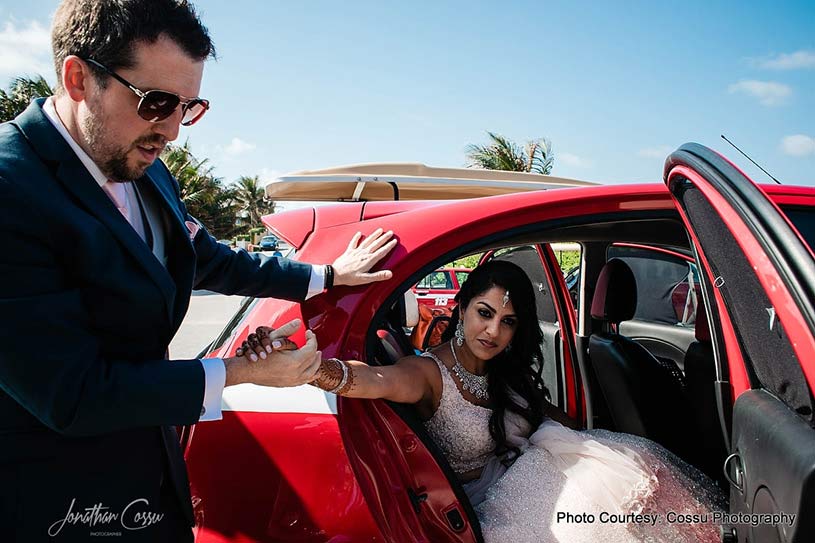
(329, 375)
(349, 384)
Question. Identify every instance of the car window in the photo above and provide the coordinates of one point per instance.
(668, 289)
(568, 256)
(441, 280)
(237, 319)
(436, 280)
(461, 276)
(803, 218)
(424, 283)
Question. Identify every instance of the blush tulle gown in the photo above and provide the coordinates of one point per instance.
(573, 486)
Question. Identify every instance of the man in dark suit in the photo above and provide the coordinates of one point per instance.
(99, 259)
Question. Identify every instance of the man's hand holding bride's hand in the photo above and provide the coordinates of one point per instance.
(282, 365)
(263, 341)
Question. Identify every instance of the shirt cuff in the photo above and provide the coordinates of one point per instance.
(214, 381)
(316, 284)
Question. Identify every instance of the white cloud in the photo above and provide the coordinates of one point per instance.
(25, 50)
(798, 145)
(769, 93)
(788, 61)
(660, 152)
(238, 147)
(573, 160)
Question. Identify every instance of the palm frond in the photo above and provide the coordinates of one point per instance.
(503, 154)
(20, 94)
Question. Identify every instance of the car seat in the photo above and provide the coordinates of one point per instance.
(645, 395)
(432, 324)
(394, 341)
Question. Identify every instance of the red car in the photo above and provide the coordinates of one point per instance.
(300, 464)
(438, 288)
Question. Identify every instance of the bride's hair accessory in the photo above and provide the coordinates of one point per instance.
(460, 333)
(476, 384)
(505, 299)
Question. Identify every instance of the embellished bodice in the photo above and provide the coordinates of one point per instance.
(460, 428)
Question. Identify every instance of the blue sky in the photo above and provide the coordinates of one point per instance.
(615, 86)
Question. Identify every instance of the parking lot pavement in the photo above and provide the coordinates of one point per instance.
(206, 317)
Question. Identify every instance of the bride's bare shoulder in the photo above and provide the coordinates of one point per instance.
(428, 368)
(425, 364)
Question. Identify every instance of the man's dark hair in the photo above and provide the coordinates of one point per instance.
(106, 31)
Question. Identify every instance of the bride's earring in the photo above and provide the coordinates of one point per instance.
(509, 347)
(460, 333)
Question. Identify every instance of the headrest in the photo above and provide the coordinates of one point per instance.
(615, 297)
(411, 309)
(702, 326)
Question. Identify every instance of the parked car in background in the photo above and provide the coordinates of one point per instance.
(731, 389)
(438, 288)
(269, 243)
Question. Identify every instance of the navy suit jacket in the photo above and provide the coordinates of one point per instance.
(87, 399)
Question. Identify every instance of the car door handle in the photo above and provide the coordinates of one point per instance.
(417, 497)
(422, 292)
(737, 479)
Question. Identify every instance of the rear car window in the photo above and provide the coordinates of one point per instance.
(668, 290)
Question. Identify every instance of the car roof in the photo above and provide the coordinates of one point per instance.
(295, 225)
(407, 181)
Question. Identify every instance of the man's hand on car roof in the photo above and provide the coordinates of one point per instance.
(351, 267)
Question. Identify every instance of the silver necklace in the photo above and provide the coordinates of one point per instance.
(476, 384)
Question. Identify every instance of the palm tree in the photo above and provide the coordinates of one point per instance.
(503, 154)
(20, 94)
(252, 201)
(204, 194)
(194, 176)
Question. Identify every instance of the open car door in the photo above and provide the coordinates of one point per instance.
(759, 293)
(410, 489)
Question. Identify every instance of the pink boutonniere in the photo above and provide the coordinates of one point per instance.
(192, 228)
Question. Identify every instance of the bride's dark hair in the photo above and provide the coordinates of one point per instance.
(518, 370)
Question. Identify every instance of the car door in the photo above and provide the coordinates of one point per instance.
(758, 280)
(413, 493)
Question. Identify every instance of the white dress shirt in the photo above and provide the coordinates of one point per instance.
(131, 206)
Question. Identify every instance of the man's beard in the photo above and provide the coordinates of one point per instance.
(112, 160)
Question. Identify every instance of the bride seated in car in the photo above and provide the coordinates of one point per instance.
(530, 475)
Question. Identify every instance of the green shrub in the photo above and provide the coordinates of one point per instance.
(568, 259)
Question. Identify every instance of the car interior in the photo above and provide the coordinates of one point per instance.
(655, 380)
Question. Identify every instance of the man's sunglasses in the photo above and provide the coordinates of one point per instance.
(157, 105)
